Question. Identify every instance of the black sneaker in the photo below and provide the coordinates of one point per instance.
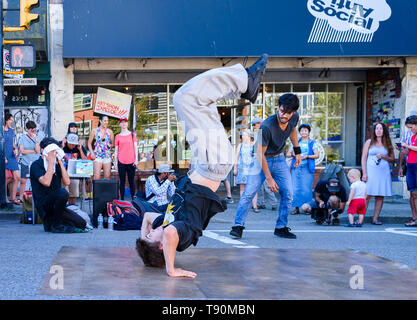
(262, 206)
(255, 74)
(284, 233)
(237, 231)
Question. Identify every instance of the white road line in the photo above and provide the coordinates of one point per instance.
(403, 231)
(312, 230)
(227, 240)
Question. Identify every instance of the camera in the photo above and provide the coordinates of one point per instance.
(321, 215)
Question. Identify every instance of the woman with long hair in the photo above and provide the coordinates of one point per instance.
(101, 154)
(376, 155)
(11, 154)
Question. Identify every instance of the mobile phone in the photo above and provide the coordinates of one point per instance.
(399, 144)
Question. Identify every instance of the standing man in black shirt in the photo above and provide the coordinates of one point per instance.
(195, 200)
(47, 174)
(274, 132)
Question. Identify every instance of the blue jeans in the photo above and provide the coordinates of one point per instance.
(281, 174)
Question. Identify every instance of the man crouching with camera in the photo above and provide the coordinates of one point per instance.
(329, 201)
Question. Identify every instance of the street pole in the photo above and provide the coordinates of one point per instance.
(2, 164)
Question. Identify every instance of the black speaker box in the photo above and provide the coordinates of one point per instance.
(103, 191)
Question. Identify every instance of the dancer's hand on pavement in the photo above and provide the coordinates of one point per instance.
(180, 273)
(272, 185)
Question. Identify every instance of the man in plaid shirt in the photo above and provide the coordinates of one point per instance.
(161, 185)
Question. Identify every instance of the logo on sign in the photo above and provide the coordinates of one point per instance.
(346, 20)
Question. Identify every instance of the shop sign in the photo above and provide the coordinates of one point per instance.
(346, 20)
(21, 82)
(112, 103)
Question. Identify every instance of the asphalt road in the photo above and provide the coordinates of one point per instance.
(27, 251)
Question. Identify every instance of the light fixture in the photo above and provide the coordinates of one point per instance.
(122, 74)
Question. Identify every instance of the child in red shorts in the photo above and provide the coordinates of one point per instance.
(357, 196)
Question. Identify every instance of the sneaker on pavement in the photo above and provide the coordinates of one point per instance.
(237, 231)
(229, 200)
(284, 233)
(255, 74)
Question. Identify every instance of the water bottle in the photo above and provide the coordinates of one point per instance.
(110, 223)
(100, 221)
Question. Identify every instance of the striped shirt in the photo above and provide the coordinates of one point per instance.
(163, 192)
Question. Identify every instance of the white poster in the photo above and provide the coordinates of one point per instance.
(39, 115)
(113, 103)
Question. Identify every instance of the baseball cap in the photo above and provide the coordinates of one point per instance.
(123, 119)
(256, 120)
(72, 138)
(334, 185)
(164, 168)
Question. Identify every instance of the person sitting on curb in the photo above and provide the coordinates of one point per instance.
(195, 201)
(331, 195)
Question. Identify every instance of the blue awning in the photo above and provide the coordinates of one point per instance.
(237, 28)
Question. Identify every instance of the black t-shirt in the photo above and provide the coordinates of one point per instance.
(325, 194)
(273, 136)
(40, 192)
(190, 210)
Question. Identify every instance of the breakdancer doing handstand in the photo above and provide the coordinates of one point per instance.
(195, 201)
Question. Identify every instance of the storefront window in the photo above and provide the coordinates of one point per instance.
(151, 123)
(83, 101)
(323, 109)
(161, 137)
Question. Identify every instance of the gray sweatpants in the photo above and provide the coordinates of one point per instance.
(195, 103)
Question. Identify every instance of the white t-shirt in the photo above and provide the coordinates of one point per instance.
(360, 189)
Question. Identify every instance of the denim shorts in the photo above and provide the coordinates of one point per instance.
(411, 176)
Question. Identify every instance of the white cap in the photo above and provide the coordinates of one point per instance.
(164, 168)
(72, 138)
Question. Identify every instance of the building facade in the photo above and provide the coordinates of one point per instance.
(338, 59)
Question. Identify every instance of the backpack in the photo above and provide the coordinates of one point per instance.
(125, 215)
(127, 221)
(73, 219)
(29, 212)
(75, 209)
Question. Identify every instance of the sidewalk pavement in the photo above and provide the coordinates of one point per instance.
(395, 210)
